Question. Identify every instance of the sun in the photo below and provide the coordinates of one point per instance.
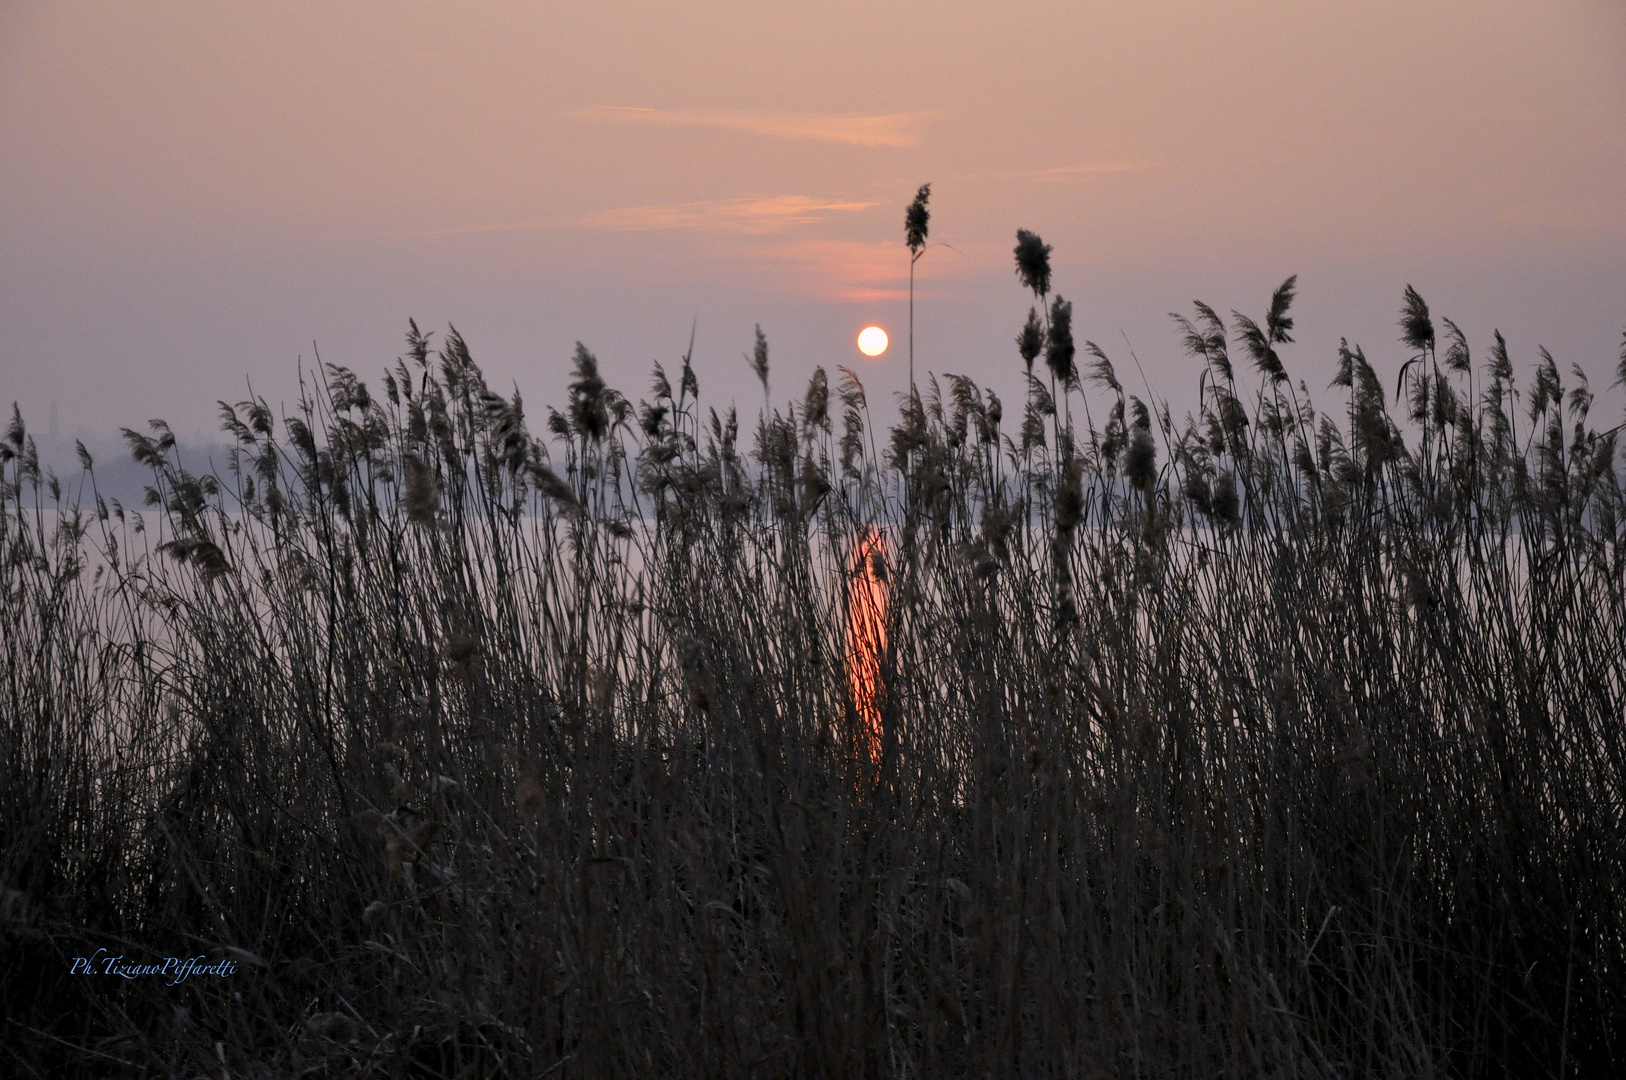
(872, 341)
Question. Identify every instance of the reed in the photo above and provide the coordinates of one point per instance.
(1270, 742)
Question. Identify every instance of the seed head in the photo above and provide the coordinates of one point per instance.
(589, 397)
(1033, 262)
(915, 220)
(1416, 328)
(759, 358)
(1030, 342)
(1059, 349)
(422, 491)
(1140, 465)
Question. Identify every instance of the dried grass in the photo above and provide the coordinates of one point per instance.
(1277, 743)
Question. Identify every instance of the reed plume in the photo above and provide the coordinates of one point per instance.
(1283, 739)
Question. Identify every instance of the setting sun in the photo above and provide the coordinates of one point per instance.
(872, 341)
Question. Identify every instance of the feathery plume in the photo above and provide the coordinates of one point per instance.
(554, 487)
(589, 398)
(1033, 262)
(1256, 342)
(206, 558)
(1501, 366)
(1030, 342)
(759, 360)
(1059, 349)
(916, 219)
(1416, 328)
(816, 403)
(1277, 322)
(422, 491)
(1457, 357)
(1101, 370)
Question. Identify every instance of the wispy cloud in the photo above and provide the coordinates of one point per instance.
(759, 215)
(857, 270)
(744, 216)
(853, 129)
(842, 269)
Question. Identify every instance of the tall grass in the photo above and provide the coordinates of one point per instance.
(1275, 742)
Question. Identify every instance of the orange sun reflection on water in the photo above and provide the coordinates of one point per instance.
(866, 638)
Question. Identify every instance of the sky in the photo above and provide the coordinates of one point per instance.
(200, 199)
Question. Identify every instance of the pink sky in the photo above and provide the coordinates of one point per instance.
(193, 194)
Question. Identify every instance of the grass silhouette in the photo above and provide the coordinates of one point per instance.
(1274, 742)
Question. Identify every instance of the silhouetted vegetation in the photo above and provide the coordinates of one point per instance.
(1271, 742)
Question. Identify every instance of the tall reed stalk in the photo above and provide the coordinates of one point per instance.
(1273, 742)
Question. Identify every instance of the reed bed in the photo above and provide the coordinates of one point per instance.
(1271, 742)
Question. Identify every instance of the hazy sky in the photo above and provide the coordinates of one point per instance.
(193, 194)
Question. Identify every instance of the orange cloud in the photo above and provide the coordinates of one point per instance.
(871, 269)
(853, 129)
(750, 216)
(747, 216)
(844, 269)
